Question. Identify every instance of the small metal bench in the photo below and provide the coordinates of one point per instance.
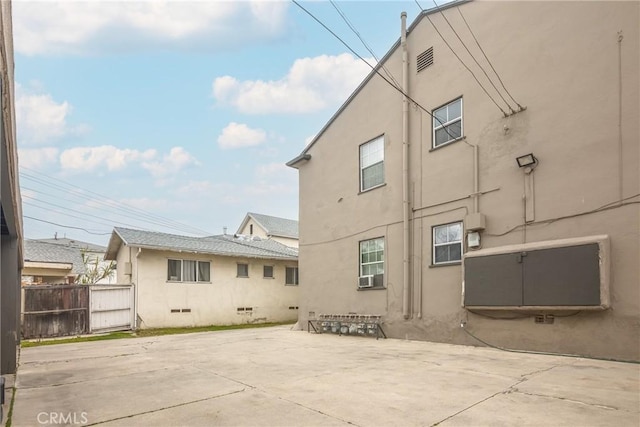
(347, 324)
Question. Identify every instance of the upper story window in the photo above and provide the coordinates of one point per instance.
(291, 276)
(184, 270)
(447, 123)
(372, 164)
(447, 243)
(267, 271)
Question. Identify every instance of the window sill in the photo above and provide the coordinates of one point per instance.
(448, 143)
(373, 288)
(445, 264)
(289, 284)
(242, 277)
(187, 283)
(372, 188)
(268, 278)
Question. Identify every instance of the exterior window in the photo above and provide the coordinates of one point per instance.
(268, 272)
(251, 229)
(188, 271)
(447, 123)
(372, 260)
(175, 270)
(243, 270)
(291, 276)
(372, 164)
(447, 243)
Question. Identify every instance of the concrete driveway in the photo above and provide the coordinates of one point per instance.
(279, 377)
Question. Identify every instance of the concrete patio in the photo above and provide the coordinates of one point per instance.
(278, 377)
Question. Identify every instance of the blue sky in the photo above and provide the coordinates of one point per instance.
(147, 114)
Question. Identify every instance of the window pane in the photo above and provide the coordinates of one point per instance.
(455, 109)
(268, 271)
(442, 254)
(174, 270)
(441, 234)
(440, 117)
(454, 232)
(291, 276)
(373, 175)
(455, 252)
(188, 271)
(243, 270)
(455, 130)
(204, 271)
(441, 137)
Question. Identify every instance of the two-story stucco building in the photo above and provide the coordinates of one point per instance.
(500, 205)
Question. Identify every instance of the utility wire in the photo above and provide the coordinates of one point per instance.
(473, 57)
(487, 58)
(346, 20)
(461, 61)
(66, 226)
(375, 70)
(112, 204)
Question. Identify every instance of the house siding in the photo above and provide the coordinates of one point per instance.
(214, 303)
(560, 60)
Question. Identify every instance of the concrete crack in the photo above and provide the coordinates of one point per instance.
(167, 407)
(612, 408)
(76, 360)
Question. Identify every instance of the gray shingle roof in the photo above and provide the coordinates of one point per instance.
(39, 251)
(225, 245)
(72, 243)
(275, 226)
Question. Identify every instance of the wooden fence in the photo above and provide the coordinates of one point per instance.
(63, 310)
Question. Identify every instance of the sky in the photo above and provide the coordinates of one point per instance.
(179, 117)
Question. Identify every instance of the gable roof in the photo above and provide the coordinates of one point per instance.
(304, 156)
(224, 245)
(273, 225)
(72, 243)
(39, 251)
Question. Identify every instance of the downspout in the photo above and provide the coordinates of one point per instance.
(135, 303)
(476, 179)
(405, 168)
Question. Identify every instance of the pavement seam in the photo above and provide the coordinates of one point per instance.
(39, 362)
(167, 407)
(613, 408)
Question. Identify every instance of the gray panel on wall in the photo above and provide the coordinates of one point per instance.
(494, 280)
(562, 276)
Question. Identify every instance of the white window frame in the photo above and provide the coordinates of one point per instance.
(447, 243)
(296, 276)
(362, 158)
(182, 275)
(361, 253)
(436, 125)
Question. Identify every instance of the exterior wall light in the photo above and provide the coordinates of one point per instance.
(528, 160)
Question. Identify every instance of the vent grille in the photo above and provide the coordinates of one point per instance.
(425, 59)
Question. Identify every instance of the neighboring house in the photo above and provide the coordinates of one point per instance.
(198, 281)
(51, 263)
(91, 251)
(10, 204)
(433, 224)
(281, 230)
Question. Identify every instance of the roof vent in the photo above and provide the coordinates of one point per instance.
(425, 59)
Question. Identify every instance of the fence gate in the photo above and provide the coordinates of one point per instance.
(111, 308)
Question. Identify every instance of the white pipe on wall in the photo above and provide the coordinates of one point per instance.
(405, 170)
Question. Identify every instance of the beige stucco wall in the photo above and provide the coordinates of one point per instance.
(560, 60)
(213, 303)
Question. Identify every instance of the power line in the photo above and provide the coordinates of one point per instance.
(487, 58)
(374, 69)
(461, 61)
(113, 204)
(66, 226)
(472, 56)
(346, 20)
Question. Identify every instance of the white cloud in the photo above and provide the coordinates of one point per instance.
(274, 170)
(172, 163)
(238, 135)
(92, 27)
(146, 203)
(40, 119)
(310, 85)
(36, 158)
(93, 159)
